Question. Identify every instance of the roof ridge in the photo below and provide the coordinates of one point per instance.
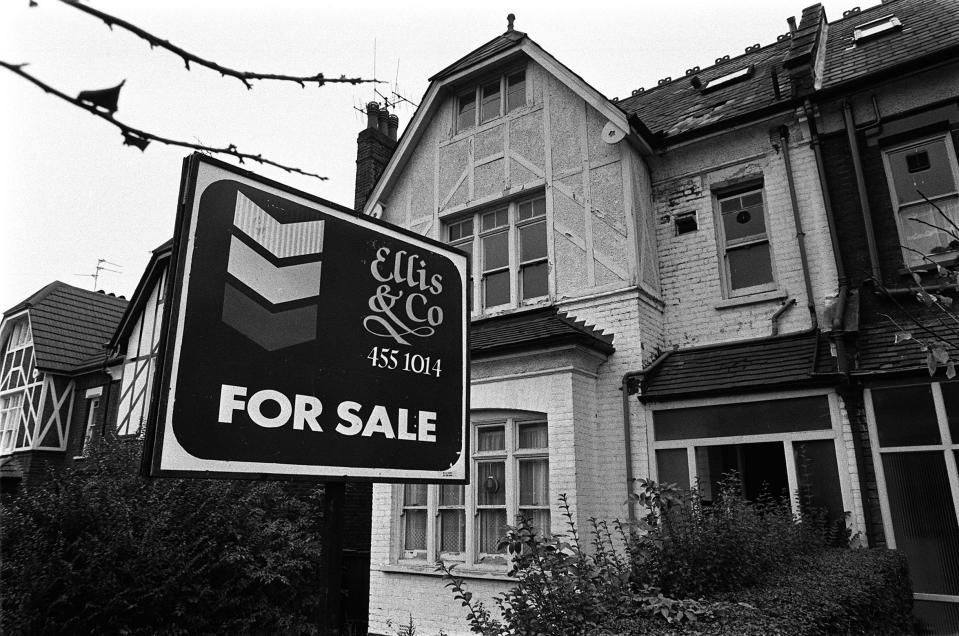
(644, 91)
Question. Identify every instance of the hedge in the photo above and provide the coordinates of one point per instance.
(834, 592)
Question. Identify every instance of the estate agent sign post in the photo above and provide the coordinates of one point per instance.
(304, 342)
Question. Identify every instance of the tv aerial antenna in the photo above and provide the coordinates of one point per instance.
(102, 264)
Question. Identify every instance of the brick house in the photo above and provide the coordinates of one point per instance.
(662, 287)
(55, 392)
(885, 107)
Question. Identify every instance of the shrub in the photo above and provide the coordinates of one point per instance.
(563, 590)
(99, 549)
(833, 592)
(694, 549)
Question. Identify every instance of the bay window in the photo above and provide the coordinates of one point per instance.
(510, 478)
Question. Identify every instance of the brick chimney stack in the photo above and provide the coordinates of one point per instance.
(804, 60)
(374, 147)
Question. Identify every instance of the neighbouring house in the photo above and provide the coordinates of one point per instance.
(668, 286)
(55, 393)
(885, 106)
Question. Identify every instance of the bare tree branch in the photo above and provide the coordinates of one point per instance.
(934, 226)
(910, 315)
(141, 138)
(941, 213)
(244, 76)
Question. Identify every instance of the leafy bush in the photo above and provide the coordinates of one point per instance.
(833, 592)
(99, 549)
(563, 590)
(694, 549)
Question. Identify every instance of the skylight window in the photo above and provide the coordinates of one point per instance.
(728, 78)
(876, 27)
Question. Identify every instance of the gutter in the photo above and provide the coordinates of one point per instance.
(800, 234)
(633, 380)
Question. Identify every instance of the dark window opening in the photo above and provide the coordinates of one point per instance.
(685, 224)
(917, 162)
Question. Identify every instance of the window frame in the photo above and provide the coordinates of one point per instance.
(515, 266)
(788, 439)
(11, 416)
(93, 404)
(909, 258)
(511, 455)
(724, 247)
(477, 91)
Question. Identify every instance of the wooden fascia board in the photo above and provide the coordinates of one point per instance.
(144, 289)
(5, 324)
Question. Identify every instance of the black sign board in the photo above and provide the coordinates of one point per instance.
(302, 340)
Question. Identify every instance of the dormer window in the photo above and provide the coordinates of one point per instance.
(876, 27)
(490, 99)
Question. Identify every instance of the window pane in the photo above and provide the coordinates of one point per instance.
(924, 519)
(538, 518)
(532, 241)
(747, 418)
(673, 467)
(415, 536)
(749, 266)
(533, 435)
(761, 467)
(495, 251)
(534, 482)
(516, 90)
(461, 229)
(950, 395)
(452, 530)
(819, 477)
(491, 483)
(743, 217)
(451, 495)
(494, 219)
(905, 416)
(932, 173)
(492, 527)
(466, 116)
(490, 108)
(414, 495)
(490, 438)
(539, 207)
(929, 240)
(535, 281)
(497, 289)
(936, 618)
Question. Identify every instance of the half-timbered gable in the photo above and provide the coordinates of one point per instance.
(53, 343)
(138, 339)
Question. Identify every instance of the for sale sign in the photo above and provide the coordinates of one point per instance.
(303, 340)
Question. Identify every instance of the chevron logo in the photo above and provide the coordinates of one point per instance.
(264, 293)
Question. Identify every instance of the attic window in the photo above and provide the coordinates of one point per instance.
(728, 78)
(490, 99)
(876, 27)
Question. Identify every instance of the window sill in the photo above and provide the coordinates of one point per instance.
(751, 299)
(429, 569)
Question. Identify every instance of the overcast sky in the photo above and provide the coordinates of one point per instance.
(72, 193)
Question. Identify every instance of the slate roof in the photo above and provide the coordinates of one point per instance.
(928, 27)
(677, 106)
(878, 352)
(776, 362)
(530, 329)
(70, 326)
(496, 45)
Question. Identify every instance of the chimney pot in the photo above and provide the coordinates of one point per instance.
(792, 24)
(381, 120)
(393, 125)
(372, 112)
